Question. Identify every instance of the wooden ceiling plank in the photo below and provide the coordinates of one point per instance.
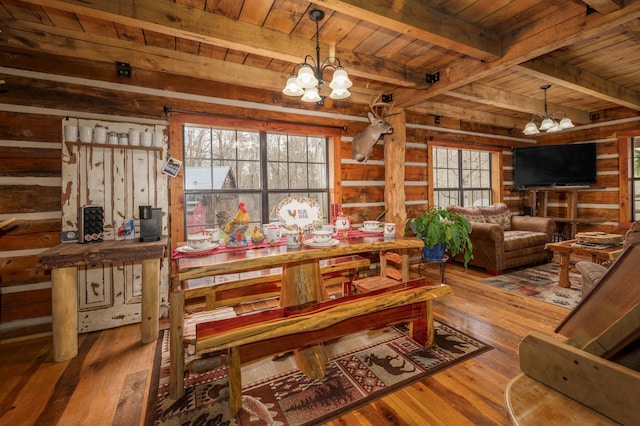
(581, 81)
(508, 100)
(533, 41)
(468, 114)
(425, 23)
(182, 22)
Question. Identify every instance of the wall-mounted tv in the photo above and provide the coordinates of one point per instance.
(551, 165)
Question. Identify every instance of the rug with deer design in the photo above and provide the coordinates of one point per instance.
(363, 367)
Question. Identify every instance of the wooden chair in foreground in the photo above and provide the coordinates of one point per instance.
(394, 269)
(594, 376)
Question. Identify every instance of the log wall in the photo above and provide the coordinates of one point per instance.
(31, 187)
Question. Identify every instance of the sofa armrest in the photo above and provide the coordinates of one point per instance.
(533, 224)
(487, 232)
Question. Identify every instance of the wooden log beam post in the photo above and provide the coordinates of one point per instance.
(302, 283)
(150, 309)
(64, 304)
(394, 159)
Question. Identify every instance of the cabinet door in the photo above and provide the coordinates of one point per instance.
(119, 180)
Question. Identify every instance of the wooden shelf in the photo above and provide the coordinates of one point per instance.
(113, 146)
(572, 204)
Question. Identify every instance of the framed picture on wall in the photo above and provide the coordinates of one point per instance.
(172, 167)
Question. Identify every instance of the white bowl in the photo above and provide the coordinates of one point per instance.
(372, 225)
(199, 241)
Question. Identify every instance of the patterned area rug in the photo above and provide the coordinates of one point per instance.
(363, 367)
(540, 282)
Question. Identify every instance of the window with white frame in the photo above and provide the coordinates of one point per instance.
(226, 167)
(461, 177)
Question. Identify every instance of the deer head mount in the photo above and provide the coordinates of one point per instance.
(363, 142)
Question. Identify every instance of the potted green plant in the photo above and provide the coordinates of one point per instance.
(442, 230)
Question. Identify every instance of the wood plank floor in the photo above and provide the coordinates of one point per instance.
(108, 383)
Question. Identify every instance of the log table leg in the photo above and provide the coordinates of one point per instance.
(564, 271)
(150, 300)
(176, 333)
(302, 283)
(64, 306)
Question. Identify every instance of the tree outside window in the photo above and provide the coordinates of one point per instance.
(224, 167)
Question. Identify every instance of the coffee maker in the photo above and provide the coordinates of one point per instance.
(150, 224)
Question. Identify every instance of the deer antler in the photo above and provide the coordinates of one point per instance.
(376, 103)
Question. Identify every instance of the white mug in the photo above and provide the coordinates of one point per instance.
(389, 230)
(71, 133)
(146, 138)
(331, 228)
(293, 239)
(273, 235)
(86, 134)
(159, 138)
(134, 137)
(100, 134)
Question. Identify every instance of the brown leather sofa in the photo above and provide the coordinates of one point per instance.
(502, 240)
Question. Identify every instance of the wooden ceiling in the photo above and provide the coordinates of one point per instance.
(491, 56)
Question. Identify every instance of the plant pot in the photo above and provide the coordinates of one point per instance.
(435, 253)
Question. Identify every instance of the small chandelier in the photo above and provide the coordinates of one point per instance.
(310, 75)
(548, 124)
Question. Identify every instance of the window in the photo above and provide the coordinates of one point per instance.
(461, 177)
(635, 179)
(225, 167)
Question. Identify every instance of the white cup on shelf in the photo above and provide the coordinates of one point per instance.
(70, 133)
(86, 134)
(159, 138)
(100, 134)
(134, 137)
(146, 138)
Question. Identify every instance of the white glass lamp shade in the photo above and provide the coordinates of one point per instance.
(340, 79)
(339, 94)
(531, 129)
(306, 79)
(566, 123)
(292, 88)
(547, 123)
(554, 128)
(311, 95)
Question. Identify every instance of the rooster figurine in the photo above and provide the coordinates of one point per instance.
(257, 236)
(239, 224)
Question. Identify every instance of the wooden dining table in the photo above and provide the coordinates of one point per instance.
(301, 284)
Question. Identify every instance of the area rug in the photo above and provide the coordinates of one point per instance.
(540, 282)
(364, 366)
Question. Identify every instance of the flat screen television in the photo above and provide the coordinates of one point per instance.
(555, 165)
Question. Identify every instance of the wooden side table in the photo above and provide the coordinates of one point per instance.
(64, 260)
(424, 262)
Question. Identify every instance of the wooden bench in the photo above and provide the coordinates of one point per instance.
(209, 293)
(251, 337)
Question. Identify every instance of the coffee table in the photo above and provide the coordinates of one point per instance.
(566, 248)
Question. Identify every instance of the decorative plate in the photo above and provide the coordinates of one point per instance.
(313, 244)
(299, 213)
(188, 249)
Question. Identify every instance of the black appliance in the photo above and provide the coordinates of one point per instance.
(150, 224)
(555, 165)
(90, 224)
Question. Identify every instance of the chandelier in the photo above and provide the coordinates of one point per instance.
(310, 74)
(548, 123)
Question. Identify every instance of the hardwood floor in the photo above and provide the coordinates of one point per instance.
(108, 383)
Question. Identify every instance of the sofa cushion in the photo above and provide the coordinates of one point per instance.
(516, 240)
(472, 214)
(498, 213)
